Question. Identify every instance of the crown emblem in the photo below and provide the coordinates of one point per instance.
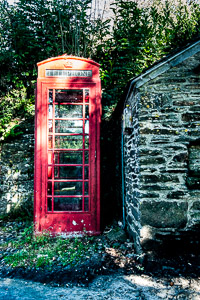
(68, 64)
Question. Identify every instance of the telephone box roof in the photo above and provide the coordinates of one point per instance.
(65, 56)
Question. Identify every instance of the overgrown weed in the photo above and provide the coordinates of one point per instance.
(44, 250)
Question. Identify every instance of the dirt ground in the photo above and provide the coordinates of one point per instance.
(114, 273)
(105, 287)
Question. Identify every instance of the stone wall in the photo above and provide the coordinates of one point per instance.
(162, 155)
(131, 171)
(17, 169)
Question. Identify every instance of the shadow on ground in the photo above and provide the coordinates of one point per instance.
(116, 257)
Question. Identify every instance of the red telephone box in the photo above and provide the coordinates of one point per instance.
(67, 146)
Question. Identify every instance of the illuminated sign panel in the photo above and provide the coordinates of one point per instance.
(68, 73)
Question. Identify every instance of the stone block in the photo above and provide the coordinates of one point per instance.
(195, 108)
(164, 214)
(161, 178)
(182, 138)
(158, 131)
(176, 195)
(194, 133)
(193, 87)
(183, 103)
(160, 140)
(193, 182)
(117, 234)
(181, 157)
(194, 152)
(155, 187)
(196, 205)
(152, 160)
(195, 216)
(194, 167)
(150, 152)
(147, 168)
(149, 195)
(190, 117)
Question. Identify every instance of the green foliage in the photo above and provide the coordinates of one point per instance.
(143, 32)
(14, 106)
(44, 250)
(31, 31)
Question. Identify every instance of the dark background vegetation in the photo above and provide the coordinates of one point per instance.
(140, 33)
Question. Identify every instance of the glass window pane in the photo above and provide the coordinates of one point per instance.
(87, 126)
(50, 144)
(68, 111)
(86, 142)
(86, 157)
(86, 188)
(86, 95)
(49, 172)
(49, 204)
(68, 96)
(86, 204)
(67, 204)
(69, 142)
(50, 111)
(49, 188)
(87, 111)
(66, 126)
(50, 126)
(50, 157)
(50, 96)
(69, 157)
(68, 188)
(86, 172)
(69, 172)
